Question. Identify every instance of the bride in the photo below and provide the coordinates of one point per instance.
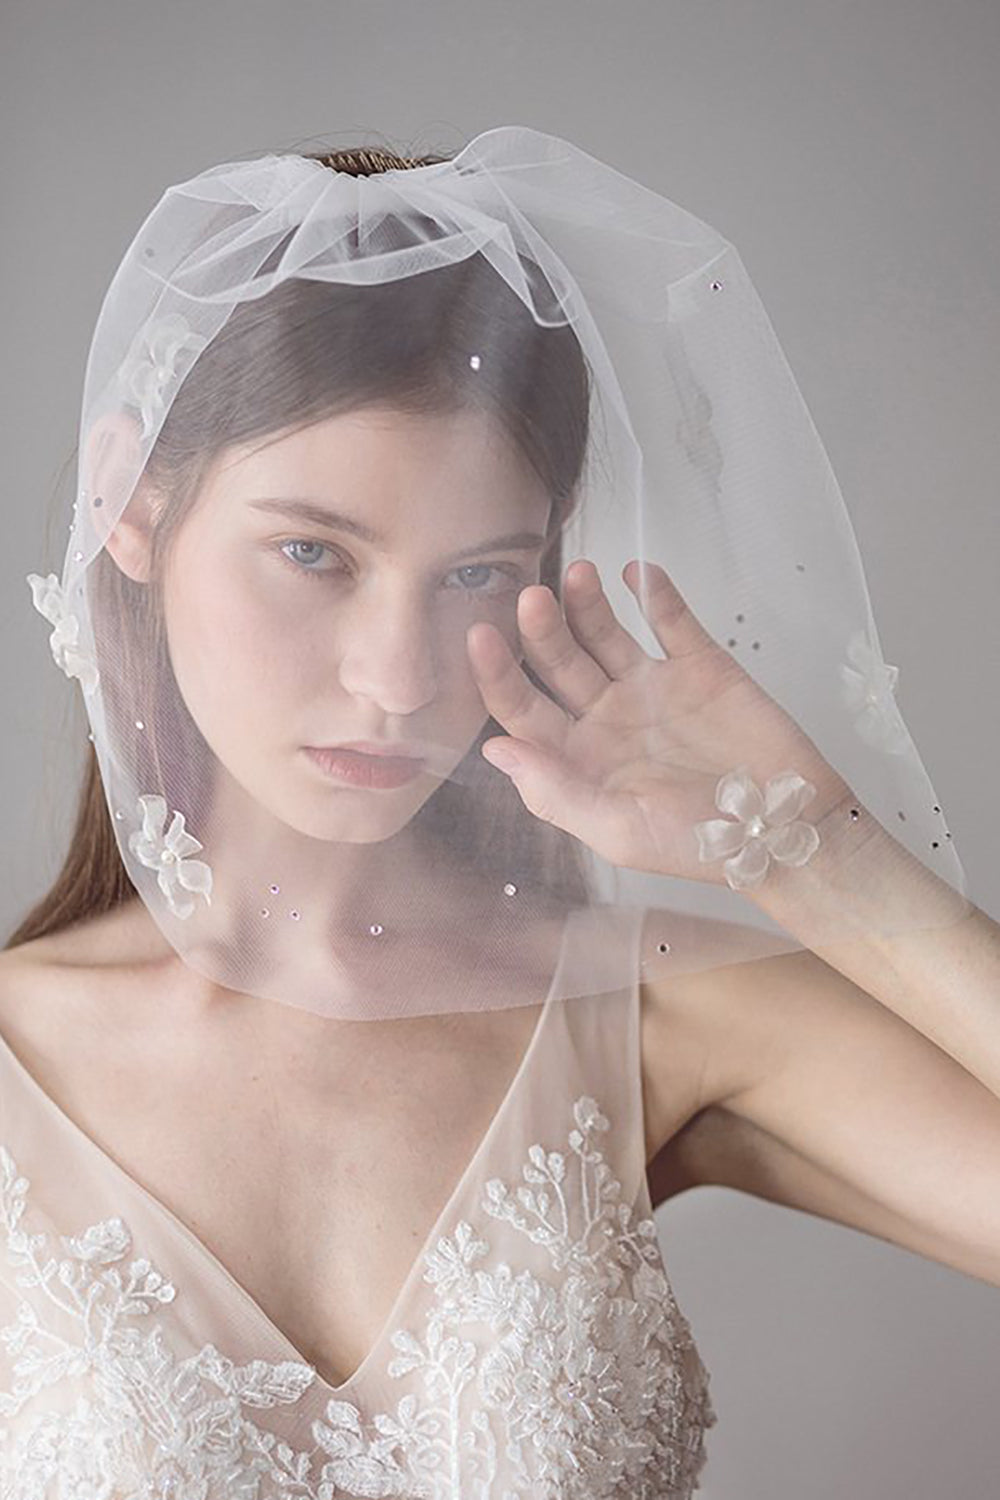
(284, 1033)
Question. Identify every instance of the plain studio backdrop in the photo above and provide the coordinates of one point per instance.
(849, 150)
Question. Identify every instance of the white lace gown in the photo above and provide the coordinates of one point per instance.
(535, 1349)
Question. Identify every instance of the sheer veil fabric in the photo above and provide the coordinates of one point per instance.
(333, 427)
(386, 467)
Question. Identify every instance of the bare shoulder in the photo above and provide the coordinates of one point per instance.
(689, 995)
(28, 978)
(29, 1013)
(51, 986)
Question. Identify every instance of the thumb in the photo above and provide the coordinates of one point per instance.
(547, 788)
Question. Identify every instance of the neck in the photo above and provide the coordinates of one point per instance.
(334, 925)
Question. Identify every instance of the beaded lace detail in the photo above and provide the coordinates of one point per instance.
(582, 1383)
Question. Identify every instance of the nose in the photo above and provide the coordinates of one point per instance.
(389, 653)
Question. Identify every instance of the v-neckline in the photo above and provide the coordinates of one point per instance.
(326, 1387)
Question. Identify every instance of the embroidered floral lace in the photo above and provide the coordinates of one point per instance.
(539, 1353)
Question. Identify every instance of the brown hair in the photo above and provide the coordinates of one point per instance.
(302, 352)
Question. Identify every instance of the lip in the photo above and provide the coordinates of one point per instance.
(374, 747)
(379, 770)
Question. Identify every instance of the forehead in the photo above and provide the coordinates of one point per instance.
(391, 468)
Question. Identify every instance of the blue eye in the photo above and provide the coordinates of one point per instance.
(510, 577)
(302, 564)
(304, 556)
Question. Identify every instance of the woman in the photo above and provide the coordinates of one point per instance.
(310, 1186)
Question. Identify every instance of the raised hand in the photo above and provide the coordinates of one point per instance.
(630, 756)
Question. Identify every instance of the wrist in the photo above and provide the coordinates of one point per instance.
(860, 884)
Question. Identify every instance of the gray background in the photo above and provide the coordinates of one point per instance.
(849, 149)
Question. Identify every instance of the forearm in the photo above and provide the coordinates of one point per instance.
(868, 908)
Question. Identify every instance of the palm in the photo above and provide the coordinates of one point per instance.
(629, 756)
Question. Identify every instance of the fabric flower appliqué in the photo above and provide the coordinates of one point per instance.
(869, 684)
(767, 827)
(167, 854)
(148, 372)
(50, 601)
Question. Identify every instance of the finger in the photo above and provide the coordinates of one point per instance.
(595, 624)
(673, 624)
(554, 794)
(555, 653)
(512, 700)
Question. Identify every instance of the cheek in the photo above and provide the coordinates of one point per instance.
(500, 612)
(455, 667)
(229, 653)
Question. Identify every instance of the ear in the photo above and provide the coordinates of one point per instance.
(124, 521)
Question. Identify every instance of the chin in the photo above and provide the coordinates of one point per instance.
(353, 815)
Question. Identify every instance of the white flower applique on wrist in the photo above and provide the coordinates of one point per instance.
(868, 686)
(50, 601)
(767, 827)
(152, 367)
(167, 854)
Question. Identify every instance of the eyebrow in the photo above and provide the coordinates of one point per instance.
(321, 515)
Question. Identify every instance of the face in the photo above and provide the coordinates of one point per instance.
(319, 592)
